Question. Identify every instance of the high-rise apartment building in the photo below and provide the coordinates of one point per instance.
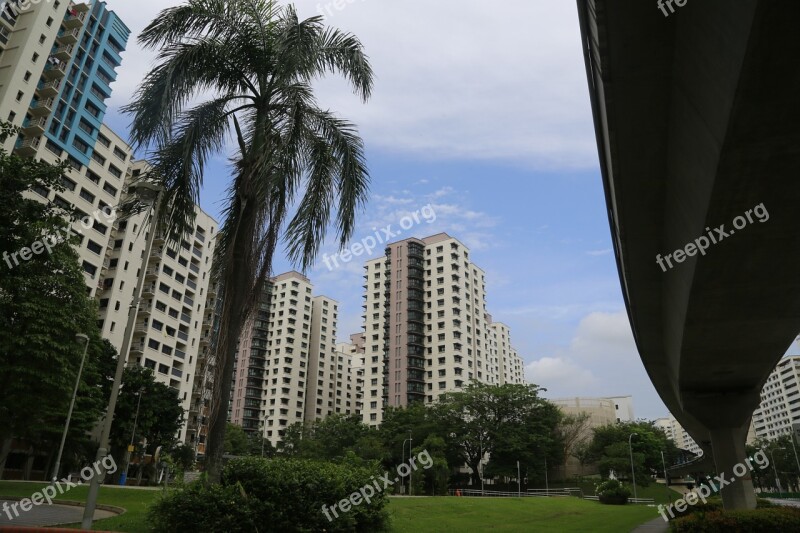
(287, 367)
(678, 435)
(57, 60)
(426, 327)
(169, 328)
(778, 413)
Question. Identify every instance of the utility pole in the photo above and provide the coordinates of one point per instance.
(133, 311)
(71, 405)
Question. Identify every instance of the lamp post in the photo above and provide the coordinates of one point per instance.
(797, 461)
(156, 192)
(124, 477)
(633, 473)
(666, 478)
(409, 440)
(480, 465)
(85, 340)
(546, 479)
(775, 469)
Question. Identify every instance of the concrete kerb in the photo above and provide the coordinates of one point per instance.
(102, 507)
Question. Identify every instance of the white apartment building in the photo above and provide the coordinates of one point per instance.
(678, 435)
(288, 369)
(167, 334)
(778, 413)
(426, 327)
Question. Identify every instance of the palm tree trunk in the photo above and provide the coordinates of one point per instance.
(236, 283)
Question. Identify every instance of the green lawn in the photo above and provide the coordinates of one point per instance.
(134, 501)
(654, 490)
(417, 515)
(557, 515)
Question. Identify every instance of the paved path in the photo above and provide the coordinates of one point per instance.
(656, 525)
(787, 503)
(47, 515)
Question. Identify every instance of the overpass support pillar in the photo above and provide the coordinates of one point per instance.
(729, 460)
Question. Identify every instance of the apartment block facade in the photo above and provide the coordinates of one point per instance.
(287, 368)
(778, 413)
(678, 435)
(426, 327)
(169, 329)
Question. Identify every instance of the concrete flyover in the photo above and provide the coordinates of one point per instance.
(697, 117)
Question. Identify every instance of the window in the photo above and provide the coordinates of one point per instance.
(27, 76)
(49, 21)
(110, 189)
(115, 171)
(20, 94)
(94, 247)
(102, 139)
(35, 57)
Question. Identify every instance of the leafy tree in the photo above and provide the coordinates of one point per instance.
(574, 430)
(610, 450)
(255, 61)
(509, 422)
(43, 305)
(328, 439)
(160, 413)
(236, 441)
(432, 480)
(416, 421)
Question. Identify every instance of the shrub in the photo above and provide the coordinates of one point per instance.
(767, 520)
(285, 495)
(213, 507)
(715, 504)
(612, 492)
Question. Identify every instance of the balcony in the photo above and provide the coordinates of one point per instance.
(151, 272)
(80, 7)
(49, 89)
(64, 52)
(35, 126)
(140, 327)
(74, 20)
(177, 373)
(180, 354)
(4, 35)
(29, 146)
(68, 36)
(183, 336)
(55, 70)
(137, 348)
(41, 108)
(149, 290)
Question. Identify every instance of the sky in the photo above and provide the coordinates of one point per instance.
(480, 118)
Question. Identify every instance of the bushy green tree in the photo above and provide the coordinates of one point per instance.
(43, 305)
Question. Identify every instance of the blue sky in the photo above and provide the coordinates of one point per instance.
(483, 113)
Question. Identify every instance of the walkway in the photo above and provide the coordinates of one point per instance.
(656, 525)
(45, 515)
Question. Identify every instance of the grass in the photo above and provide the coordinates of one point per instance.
(557, 515)
(657, 491)
(134, 501)
(412, 515)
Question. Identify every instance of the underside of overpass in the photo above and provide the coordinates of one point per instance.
(697, 116)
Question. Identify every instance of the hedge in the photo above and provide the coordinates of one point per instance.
(768, 520)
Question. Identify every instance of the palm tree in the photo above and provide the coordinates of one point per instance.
(251, 64)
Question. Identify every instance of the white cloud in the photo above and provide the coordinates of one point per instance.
(454, 79)
(557, 374)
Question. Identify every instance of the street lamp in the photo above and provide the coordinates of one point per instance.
(633, 474)
(666, 478)
(795, 451)
(775, 469)
(124, 477)
(408, 440)
(156, 193)
(85, 340)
